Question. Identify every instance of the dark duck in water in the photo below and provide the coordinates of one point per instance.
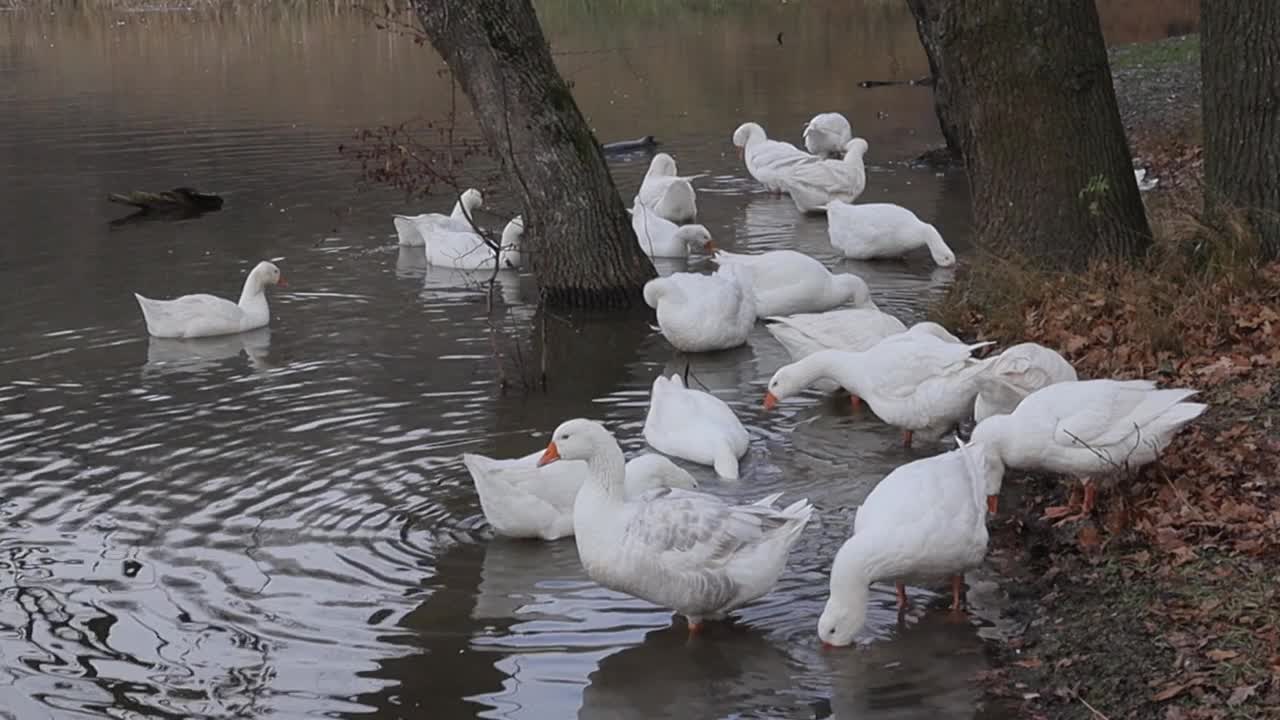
(182, 199)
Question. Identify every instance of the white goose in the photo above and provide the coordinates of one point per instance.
(813, 185)
(521, 500)
(1015, 374)
(912, 381)
(668, 194)
(695, 426)
(827, 134)
(1086, 428)
(192, 316)
(925, 519)
(703, 313)
(661, 238)
(684, 550)
(882, 230)
(414, 230)
(855, 330)
(465, 250)
(768, 161)
(787, 282)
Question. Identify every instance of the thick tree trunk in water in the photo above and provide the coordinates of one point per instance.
(1240, 65)
(1030, 91)
(577, 232)
(926, 16)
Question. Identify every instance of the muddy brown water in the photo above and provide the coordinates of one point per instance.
(279, 524)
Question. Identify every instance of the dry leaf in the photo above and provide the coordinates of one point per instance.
(1241, 694)
(1220, 655)
(1169, 692)
(1029, 663)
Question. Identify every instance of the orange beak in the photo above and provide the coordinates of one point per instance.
(282, 282)
(993, 501)
(551, 455)
(770, 401)
(711, 246)
(742, 152)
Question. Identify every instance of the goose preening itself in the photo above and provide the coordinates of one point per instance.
(192, 316)
(661, 238)
(179, 199)
(813, 186)
(913, 381)
(688, 551)
(522, 500)
(786, 282)
(466, 250)
(767, 160)
(883, 230)
(827, 134)
(703, 313)
(694, 425)
(1015, 374)
(416, 230)
(668, 194)
(1087, 428)
(925, 519)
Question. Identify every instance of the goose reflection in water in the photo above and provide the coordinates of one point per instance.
(195, 355)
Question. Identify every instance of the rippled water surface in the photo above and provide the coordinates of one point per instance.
(279, 524)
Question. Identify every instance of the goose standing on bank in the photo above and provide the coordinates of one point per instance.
(668, 194)
(1015, 374)
(767, 160)
(661, 238)
(925, 519)
(688, 551)
(813, 186)
(883, 230)
(827, 134)
(786, 282)
(703, 313)
(694, 425)
(414, 230)
(913, 381)
(1087, 428)
(193, 316)
(522, 500)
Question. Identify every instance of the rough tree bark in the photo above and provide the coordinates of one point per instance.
(1029, 91)
(926, 16)
(1240, 67)
(578, 235)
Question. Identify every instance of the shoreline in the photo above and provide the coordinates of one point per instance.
(1164, 604)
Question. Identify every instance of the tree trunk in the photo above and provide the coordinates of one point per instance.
(926, 16)
(1030, 91)
(1240, 67)
(578, 235)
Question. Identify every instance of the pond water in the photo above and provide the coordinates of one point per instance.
(280, 524)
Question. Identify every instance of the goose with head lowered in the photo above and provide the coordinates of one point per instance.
(1087, 429)
(415, 230)
(1016, 373)
(786, 282)
(883, 230)
(913, 381)
(694, 425)
(703, 313)
(522, 500)
(814, 185)
(927, 518)
(661, 238)
(467, 250)
(688, 551)
(193, 316)
(668, 194)
(768, 161)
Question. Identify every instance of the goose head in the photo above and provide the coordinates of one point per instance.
(846, 610)
(696, 237)
(747, 134)
(471, 199)
(942, 254)
(856, 148)
(791, 379)
(266, 273)
(851, 289)
(577, 439)
(662, 165)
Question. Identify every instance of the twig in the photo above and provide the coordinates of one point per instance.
(1096, 712)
